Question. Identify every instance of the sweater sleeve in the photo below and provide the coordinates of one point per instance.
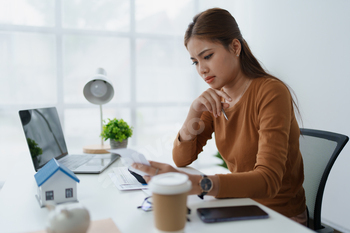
(185, 152)
(274, 115)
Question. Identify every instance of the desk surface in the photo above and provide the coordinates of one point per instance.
(20, 211)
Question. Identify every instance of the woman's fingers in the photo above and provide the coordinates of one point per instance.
(147, 178)
(211, 101)
(216, 103)
(145, 168)
(206, 100)
(225, 105)
(223, 95)
(163, 167)
(156, 168)
(156, 164)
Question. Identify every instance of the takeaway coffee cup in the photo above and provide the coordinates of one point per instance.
(169, 198)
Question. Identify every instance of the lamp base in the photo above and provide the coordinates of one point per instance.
(96, 149)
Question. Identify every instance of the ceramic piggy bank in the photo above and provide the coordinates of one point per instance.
(68, 220)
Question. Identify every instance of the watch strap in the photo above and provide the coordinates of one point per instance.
(201, 196)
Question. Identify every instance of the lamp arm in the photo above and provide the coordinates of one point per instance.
(101, 123)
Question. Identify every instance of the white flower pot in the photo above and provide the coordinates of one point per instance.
(117, 144)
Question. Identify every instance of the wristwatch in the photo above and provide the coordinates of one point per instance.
(206, 184)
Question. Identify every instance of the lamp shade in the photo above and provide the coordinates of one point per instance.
(99, 90)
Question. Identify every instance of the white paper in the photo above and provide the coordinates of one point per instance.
(124, 176)
(124, 180)
(129, 157)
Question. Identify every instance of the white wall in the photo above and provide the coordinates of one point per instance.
(307, 44)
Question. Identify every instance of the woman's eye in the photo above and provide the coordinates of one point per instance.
(208, 56)
(195, 63)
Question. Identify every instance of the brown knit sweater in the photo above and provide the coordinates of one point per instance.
(260, 144)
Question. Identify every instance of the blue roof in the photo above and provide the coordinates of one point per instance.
(51, 168)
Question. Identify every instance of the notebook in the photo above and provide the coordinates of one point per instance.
(45, 140)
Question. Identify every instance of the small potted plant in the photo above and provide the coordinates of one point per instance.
(118, 132)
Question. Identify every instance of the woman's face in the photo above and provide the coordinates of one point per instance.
(215, 64)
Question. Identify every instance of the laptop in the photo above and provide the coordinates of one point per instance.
(44, 136)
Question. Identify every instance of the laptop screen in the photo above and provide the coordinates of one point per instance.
(43, 131)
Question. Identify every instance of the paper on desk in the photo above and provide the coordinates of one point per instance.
(129, 157)
(123, 179)
(120, 186)
(124, 176)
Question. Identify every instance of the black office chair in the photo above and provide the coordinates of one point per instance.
(319, 149)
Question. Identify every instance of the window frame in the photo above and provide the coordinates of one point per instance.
(59, 32)
(133, 105)
(67, 192)
(49, 194)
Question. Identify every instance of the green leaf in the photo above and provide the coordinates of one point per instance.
(35, 150)
(116, 129)
(223, 163)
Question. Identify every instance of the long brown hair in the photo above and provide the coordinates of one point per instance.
(218, 25)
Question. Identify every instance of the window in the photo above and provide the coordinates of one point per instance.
(49, 49)
(69, 193)
(49, 195)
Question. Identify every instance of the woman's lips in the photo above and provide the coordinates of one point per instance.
(209, 79)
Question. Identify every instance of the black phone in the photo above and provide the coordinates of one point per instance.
(138, 177)
(231, 213)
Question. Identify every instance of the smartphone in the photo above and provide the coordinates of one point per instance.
(138, 177)
(231, 213)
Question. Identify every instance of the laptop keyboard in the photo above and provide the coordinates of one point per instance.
(75, 161)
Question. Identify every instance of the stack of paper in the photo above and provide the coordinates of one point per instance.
(123, 179)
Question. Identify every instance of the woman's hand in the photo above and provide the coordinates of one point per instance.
(160, 168)
(155, 169)
(210, 100)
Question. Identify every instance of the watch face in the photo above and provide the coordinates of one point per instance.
(206, 184)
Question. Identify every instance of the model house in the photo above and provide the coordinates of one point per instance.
(56, 183)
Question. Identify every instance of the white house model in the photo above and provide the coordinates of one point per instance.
(56, 183)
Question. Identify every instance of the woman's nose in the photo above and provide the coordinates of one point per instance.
(203, 69)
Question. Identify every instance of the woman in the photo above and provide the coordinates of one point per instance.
(252, 115)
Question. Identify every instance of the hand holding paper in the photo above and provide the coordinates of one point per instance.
(129, 157)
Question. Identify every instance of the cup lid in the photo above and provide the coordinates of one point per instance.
(170, 183)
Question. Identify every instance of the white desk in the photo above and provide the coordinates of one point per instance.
(20, 211)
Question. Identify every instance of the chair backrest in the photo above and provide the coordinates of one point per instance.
(319, 149)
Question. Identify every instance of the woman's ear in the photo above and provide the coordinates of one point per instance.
(236, 47)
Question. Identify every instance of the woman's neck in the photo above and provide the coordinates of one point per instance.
(237, 88)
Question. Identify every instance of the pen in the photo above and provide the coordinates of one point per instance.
(223, 111)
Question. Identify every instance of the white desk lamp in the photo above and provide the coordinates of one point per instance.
(99, 90)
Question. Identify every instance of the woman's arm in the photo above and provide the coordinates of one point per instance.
(198, 126)
(185, 152)
(192, 126)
